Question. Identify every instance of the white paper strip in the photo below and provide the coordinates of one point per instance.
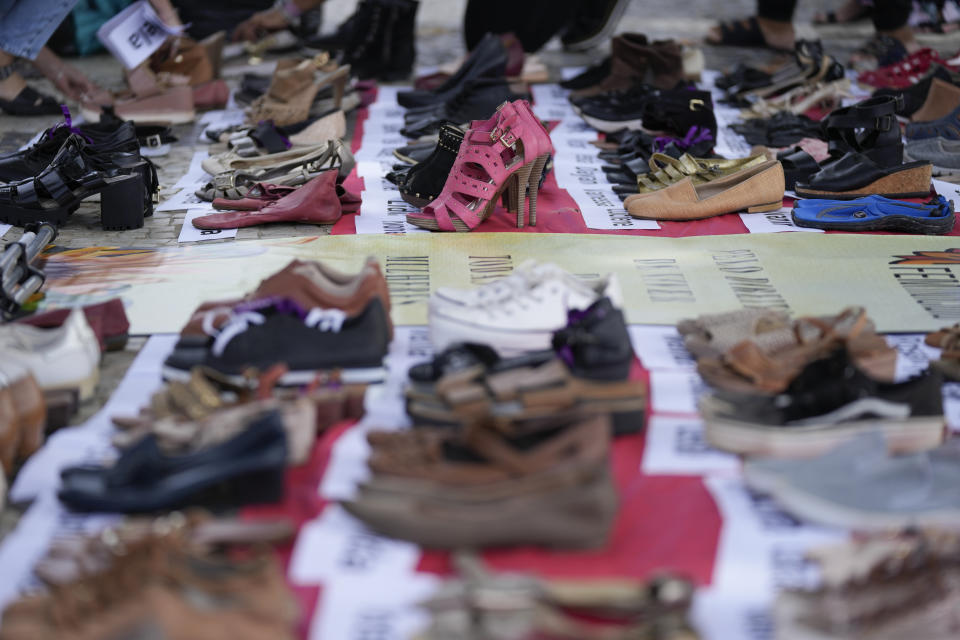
(676, 446)
(189, 233)
(773, 222)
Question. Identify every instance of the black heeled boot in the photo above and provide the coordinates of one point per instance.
(73, 175)
(383, 40)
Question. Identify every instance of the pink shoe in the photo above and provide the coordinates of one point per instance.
(259, 196)
(504, 155)
(316, 202)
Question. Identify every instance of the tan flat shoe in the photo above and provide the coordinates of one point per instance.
(665, 170)
(755, 189)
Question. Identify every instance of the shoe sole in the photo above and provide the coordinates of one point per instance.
(147, 117)
(903, 224)
(362, 375)
(563, 517)
(445, 332)
(794, 441)
(818, 510)
(907, 183)
(612, 126)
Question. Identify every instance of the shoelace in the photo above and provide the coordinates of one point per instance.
(327, 320)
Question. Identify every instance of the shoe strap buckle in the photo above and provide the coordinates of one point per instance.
(884, 123)
(153, 141)
(696, 104)
(505, 135)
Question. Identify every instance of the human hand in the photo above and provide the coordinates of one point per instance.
(260, 24)
(74, 84)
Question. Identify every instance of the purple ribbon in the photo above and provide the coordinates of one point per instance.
(282, 305)
(68, 124)
(276, 130)
(695, 135)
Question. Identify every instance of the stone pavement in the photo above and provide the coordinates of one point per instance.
(439, 41)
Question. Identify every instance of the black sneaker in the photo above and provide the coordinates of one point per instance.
(264, 333)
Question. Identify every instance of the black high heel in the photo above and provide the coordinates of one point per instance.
(424, 181)
(74, 175)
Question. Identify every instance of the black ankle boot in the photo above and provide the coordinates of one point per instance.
(382, 47)
(74, 174)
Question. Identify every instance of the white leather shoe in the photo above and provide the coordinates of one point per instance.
(523, 315)
(67, 357)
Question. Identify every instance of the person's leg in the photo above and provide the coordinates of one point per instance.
(14, 83)
(775, 20)
(534, 22)
(849, 11)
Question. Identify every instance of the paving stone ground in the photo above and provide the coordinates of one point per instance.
(439, 40)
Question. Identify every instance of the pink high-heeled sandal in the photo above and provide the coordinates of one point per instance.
(504, 155)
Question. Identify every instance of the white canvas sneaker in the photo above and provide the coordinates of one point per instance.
(67, 357)
(525, 319)
(527, 274)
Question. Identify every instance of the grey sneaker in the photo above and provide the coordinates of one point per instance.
(942, 153)
(859, 485)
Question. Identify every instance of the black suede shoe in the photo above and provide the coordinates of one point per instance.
(424, 181)
(309, 342)
(678, 110)
(487, 60)
(589, 77)
(382, 46)
(246, 469)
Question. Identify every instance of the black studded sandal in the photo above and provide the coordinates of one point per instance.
(74, 175)
(424, 181)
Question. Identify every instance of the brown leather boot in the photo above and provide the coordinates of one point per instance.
(633, 59)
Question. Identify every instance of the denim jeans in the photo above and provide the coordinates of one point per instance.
(26, 25)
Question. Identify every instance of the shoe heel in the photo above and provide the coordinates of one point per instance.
(145, 171)
(121, 203)
(533, 185)
(519, 194)
(765, 208)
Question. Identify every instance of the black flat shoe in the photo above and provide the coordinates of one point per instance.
(30, 102)
(424, 181)
(247, 469)
(73, 175)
